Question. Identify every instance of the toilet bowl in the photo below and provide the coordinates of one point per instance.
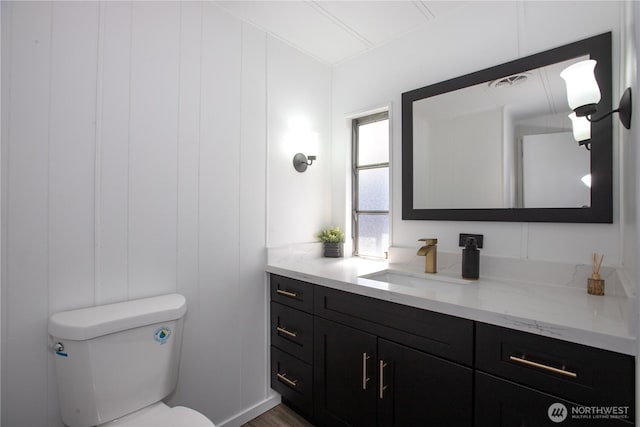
(115, 363)
(161, 415)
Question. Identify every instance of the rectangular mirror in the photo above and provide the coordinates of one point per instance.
(496, 145)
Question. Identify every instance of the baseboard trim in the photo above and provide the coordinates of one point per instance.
(252, 412)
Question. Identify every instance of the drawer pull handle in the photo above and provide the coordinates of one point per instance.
(365, 357)
(287, 293)
(524, 361)
(382, 386)
(286, 332)
(283, 378)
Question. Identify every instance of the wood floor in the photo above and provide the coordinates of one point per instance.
(279, 416)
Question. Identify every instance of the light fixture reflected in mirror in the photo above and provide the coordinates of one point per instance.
(581, 130)
(583, 94)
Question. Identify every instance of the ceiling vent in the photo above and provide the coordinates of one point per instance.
(509, 81)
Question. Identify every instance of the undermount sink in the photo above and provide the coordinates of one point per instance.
(406, 278)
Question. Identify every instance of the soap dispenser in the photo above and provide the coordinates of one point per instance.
(471, 259)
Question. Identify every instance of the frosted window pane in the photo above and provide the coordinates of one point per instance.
(373, 235)
(373, 189)
(373, 143)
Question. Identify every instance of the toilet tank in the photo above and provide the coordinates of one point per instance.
(114, 359)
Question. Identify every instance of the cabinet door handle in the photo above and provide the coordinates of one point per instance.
(287, 293)
(287, 332)
(283, 378)
(382, 386)
(365, 357)
(524, 361)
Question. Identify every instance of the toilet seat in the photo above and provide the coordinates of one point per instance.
(161, 415)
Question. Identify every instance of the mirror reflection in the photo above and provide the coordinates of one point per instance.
(506, 143)
(498, 145)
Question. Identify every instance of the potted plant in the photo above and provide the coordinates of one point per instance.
(333, 242)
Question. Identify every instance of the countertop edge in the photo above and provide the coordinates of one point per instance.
(625, 344)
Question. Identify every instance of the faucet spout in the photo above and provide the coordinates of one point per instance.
(430, 253)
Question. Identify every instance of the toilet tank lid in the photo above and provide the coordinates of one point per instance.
(87, 323)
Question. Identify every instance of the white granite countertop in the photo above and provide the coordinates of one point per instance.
(555, 306)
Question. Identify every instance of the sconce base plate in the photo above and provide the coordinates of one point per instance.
(624, 109)
(300, 162)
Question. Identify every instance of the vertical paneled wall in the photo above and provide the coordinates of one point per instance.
(3, 119)
(153, 144)
(134, 148)
(26, 301)
(299, 203)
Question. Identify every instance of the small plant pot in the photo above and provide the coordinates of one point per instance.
(333, 250)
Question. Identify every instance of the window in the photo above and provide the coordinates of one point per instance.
(370, 185)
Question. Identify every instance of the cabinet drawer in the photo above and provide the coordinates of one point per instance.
(292, 292)
(439, 334)
(502, 403)
(582, 374)
(292, 331)
(293, 379)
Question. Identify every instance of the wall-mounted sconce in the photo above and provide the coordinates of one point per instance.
(304, 141)
(583, 94)
(301, 162)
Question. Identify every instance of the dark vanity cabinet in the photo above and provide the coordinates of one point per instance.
(364, 380)
(380, 363)
(519, 376)
(342, 359)
(292, 342)
(345, 375)
(369, 362)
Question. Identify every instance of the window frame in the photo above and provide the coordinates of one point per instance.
(355, 144)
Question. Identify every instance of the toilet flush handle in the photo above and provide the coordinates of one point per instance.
(58, 348)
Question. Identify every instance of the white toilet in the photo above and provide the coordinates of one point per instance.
(115, 363)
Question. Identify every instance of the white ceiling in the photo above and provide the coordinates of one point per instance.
(334, 31)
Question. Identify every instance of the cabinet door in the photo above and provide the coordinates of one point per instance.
(292, 331)
(417, 389)
(293, 379)
(344, 375)
(502, 403)
(582, 374)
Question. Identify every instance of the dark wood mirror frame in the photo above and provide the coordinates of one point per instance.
(601, 209)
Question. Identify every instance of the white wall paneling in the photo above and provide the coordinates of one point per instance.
(134, 149)
(218, 207)
(71, 154)
(153, 131)
(112, 184)
(299, 203)
(188, 280)
(26, 302)
(632, 174)
(72, 132)
(629, 150)
(4, 86)
(253, 151)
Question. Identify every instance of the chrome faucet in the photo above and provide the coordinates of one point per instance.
(430, 253)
